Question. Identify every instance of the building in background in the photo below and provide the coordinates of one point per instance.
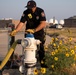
(70, 22)
(4, 23)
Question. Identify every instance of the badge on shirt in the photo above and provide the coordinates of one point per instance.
(37, 17)
(42, 14)
(30, 16)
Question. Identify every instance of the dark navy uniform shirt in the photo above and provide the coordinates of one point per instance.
(33, 19)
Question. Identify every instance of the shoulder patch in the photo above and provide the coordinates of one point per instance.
(23, 15)
(42, 14)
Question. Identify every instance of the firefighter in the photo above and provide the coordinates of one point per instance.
(35, 21)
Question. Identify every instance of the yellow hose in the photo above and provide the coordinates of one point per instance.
(8, 55)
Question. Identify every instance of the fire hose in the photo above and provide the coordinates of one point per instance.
(29, 45)
(8, 55)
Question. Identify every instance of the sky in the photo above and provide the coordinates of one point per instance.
(60, 9)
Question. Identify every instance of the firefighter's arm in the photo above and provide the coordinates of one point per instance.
(18, 28)
(41, 26)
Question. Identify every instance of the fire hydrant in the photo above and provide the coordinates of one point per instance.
(29, 45)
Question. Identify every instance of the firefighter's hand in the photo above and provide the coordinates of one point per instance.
(13, 33)
(30, 30)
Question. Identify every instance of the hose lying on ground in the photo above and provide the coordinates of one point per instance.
(8, 55)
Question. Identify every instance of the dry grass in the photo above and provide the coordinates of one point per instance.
(68, 32)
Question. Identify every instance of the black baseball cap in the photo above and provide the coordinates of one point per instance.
(31, 4)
